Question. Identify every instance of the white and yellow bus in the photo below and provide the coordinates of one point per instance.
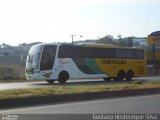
(61, 62)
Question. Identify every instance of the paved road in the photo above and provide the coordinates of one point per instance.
(138, 104)
(6, 86)
(153, 78)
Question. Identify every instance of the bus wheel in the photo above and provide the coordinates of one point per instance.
(63, 76)
(121, 75)
(50, 81)
(107, 78)
(129, 75)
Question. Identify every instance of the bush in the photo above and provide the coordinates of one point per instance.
(11, 72)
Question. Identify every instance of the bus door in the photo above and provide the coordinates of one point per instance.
(48, 57)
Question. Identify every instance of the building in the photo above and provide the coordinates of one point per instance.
(139, 41)
(14, 54)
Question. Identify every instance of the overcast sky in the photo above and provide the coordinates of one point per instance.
(25, 21)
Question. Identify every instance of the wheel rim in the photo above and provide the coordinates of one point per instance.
(121, 75)
(129, 75)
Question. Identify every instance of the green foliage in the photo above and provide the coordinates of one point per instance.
(108, 39)
(126, 42)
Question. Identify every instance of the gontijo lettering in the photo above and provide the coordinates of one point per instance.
(113, 61)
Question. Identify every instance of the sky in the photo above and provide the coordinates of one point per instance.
(26, 21)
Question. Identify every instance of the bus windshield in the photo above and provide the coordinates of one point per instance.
(32, 61)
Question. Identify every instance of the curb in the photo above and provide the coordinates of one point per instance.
(40, 100)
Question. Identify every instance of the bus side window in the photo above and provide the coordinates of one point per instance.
(121, 54)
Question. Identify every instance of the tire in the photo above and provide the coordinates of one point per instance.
(63, 76)
(121, 75)
(50, 81)
(129, 75)
(107, 79)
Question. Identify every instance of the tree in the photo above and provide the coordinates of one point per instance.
(121, 42)
(108, 39)
(130, 41)
(119, 36)
(126, 42)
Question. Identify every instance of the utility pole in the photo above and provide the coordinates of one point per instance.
(72, 38)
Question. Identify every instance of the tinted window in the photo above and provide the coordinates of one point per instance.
(85, 52)
(140, 54)
(130, 54)
(91, 52)
(121, 53)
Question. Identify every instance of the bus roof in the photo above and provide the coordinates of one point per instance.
(90, 45)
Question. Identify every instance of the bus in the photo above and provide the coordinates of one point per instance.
(60, 62)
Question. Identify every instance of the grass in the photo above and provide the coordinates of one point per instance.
(137, 82)
(14, 81)
(55, 90)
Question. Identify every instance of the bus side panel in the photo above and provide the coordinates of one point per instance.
(79, 69)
